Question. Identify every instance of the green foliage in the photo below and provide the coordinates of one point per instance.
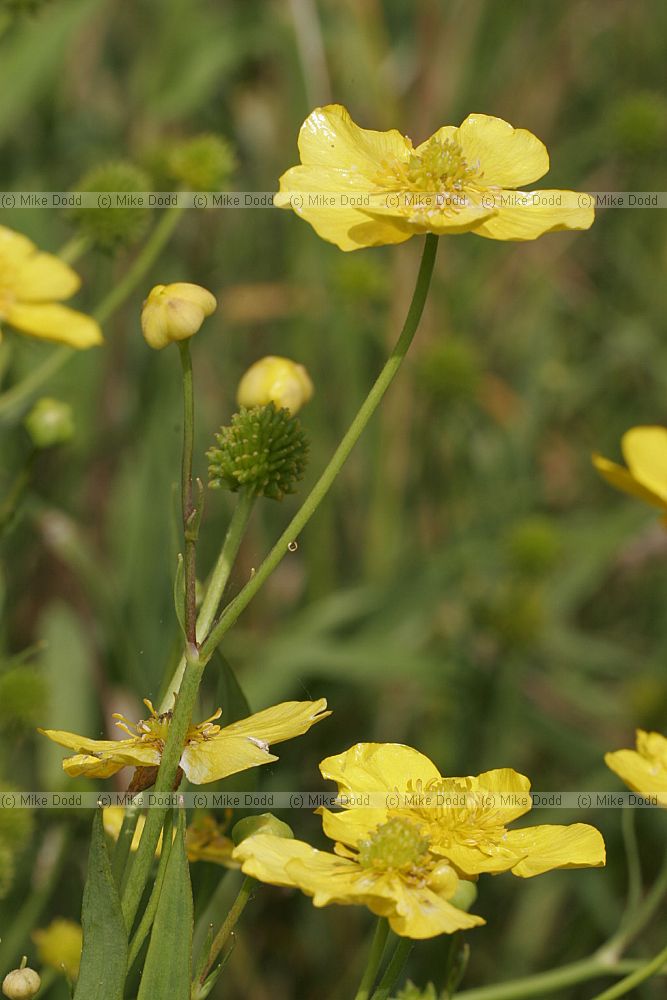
(23, 697)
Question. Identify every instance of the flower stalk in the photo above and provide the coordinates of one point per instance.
(374, 959)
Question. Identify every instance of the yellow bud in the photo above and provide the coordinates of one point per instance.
(175, 312)
(262, 823)
(21, 984)
(275, 380)
(443, 879)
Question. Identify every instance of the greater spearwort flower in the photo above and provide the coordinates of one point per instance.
(361, 188)
(275, 380)
(32, 286)
(175, 312)
(645, 452)
(643, 770)
(464, 819)
(392, 871)
(210, 752)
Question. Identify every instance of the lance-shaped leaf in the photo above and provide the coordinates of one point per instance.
(167, 971)
(104, 958)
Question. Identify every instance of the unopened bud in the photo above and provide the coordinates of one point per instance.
(50, 422)
(275, 380)
(21, 984)
(465, 895)
(264, 823)
(175, 312)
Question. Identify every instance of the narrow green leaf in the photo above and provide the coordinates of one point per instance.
(104, 958)
(179, 592)
(168, 970)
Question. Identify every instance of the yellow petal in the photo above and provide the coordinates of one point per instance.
(102, 758)
(645, 452)
(543, 848)
(640, 774)
(330, 138)
(510, 792)
(379, 767)
(222, 755)
(195, 294)
(280, 722)
(346, 226)
(42, 277)
(265, 856)
(461, 216)
(621, 479)
(14, 247)
(421, 913)
(470, 859)
(526, 215)
(353, 825)
(112, 820)
(81, 743)
(508, 157)
(57, 323)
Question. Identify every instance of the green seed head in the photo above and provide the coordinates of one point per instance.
(396, 845)
(263, 449)
(203, 163)
(117, 225)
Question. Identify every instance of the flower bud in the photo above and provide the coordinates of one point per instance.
(50, 422)
(175, 312)
(21, 984)
(465, 895)
(443, 878)
(275, 380)
(264, 823)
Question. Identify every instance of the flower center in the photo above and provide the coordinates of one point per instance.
(440, 167)
(154, 729)
(397, 845)
(461, 815)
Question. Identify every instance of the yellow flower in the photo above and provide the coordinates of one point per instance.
(210, 753)
(275, 380)
(59, 945)
(392, 872)
(359, 188)
(204, 837)
(464, 819)
(32, 284)
(175, 312)
(645, 453)
(644, 770)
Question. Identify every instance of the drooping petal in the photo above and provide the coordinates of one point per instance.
(305, 191)
(137, 755)
(352, 825)
(621, 479)
(57, 323)
(645, 452)
(222, 755)
(280, 722)
(422, 913)
(379, 767)
(43, 277)
(526, 215)
(330, 138)
(81, 744)
(544, 848)
(507, 156)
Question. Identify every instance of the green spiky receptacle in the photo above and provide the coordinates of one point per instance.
(263, 449)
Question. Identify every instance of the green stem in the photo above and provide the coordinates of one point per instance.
(630, 843)
(635, 978)
(216, 586)
(16, 399)
(74, 248)
(166, 776)
(223, 935)
(11, 502)
(124, 843)
(374, 959)
(637, 919)
(394, 969)
(324, 483)
(148, 915)
(188, 507)
(544, 983)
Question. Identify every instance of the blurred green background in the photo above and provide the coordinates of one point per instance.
(470, 587)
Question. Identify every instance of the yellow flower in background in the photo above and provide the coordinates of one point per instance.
(645, 452)
(205, 839)
(643, 770)
(392, 873)
(359, 188)
(210, 752)
(32, 285)
(59, 945)
(175, 312)
(464, 819)
(275, 380)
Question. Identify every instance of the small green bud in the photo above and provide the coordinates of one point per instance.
(263, 449)
(21, 984)
(465, 895)
(264, 823)
(202, 163)
(50, 422)
(116, 226)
